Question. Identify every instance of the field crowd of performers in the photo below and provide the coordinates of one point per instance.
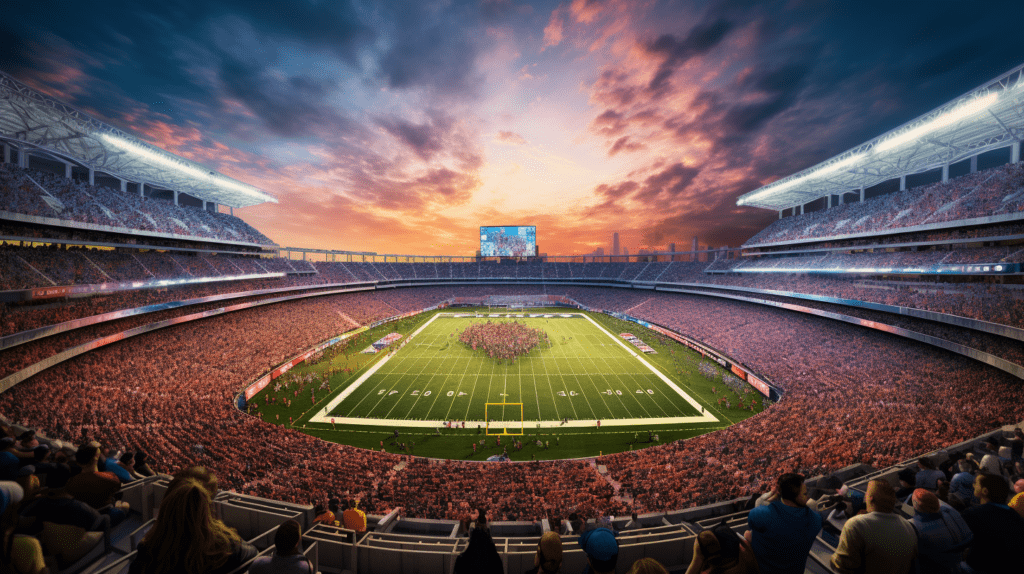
(852, 396)
(503, 340)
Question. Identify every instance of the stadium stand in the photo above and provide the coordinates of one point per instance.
(997, 191)
(149, 414)
(803, 304)
(41, 194)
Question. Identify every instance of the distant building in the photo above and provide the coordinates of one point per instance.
(615, 243)
(671, 249)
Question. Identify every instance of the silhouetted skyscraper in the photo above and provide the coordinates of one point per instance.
(615, 243)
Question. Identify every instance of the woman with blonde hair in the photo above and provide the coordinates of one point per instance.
(188, 539)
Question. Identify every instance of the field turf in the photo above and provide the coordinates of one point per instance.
(569, 380)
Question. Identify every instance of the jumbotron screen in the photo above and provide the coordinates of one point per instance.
(508, 241)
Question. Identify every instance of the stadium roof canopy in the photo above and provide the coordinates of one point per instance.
(49, 127)
(986, 118)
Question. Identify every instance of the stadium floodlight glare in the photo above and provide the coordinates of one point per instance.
(772, 188)
(968, 109)
(165, 160)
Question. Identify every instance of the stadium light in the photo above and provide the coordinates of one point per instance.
(969, 109)
(166, 160)
(772, 188)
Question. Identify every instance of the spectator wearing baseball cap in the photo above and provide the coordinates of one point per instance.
(602, 550)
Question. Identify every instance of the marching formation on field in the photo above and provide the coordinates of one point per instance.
(503, 340)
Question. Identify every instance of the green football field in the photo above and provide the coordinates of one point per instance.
(397, 399)
(587, 374)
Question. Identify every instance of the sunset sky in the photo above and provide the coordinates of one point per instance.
(402, 126)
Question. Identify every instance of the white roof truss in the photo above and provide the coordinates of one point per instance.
(986, 118)
(48, 127)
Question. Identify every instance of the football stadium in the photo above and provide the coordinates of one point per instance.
(269, 332)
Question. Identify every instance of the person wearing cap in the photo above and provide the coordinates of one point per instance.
(548, 559)
(602, 550)
(781, 534)
(998, 530)
(942, 534)
(288, 557)
(879, 542)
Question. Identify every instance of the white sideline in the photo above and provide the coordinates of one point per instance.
(707, 417)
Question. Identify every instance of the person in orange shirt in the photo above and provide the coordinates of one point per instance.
(353, 518)
(330, 517)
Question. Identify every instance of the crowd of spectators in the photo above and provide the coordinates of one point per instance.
(43, 194)
(919, 262)
(996, 191)
(1003, 304)
(851, 397)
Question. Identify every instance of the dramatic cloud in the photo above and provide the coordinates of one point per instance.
(510, 138)
(401, 126)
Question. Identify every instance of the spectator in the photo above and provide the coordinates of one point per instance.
(907, 478)
(781, 534)
(602, 550)
(200, 474)
(942, 534)
(720, 551)
(329, 516)
(187, 538)
(548, 559)
(56, 473)
(27, 440)
(998, 530)
(1017, 503)
(288, 557)
(141, 464)
(633, 524)
(94, 487)
(127, 463)
(481, 556)
(647, 566)
(353, 518)
(18, 553)
(879, 542)
(962, 485)
(928, 477)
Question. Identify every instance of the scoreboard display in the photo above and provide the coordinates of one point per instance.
(508, 241)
